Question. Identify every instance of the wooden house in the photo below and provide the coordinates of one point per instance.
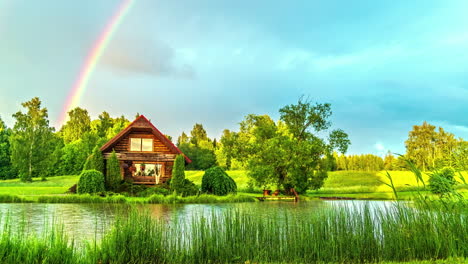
(146, 155)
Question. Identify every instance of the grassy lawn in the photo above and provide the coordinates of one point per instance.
(53, 185)
(355, 184)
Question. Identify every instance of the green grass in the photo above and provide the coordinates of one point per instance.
(53, 185)
(240, 177)
(327, 235)
(355, 184)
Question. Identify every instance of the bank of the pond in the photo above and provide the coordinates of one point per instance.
(341, 234)
(153, 199)
(351, 184)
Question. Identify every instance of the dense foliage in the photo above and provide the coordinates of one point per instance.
(91, 181)
(6, 168)
(178, 174)
(199, 148)
(113, 176)
(96, 160)
(364, 162)
(288, 153)
(329, 235)
(31, 140)
(217, 181)
(442, 181)
(430, 149)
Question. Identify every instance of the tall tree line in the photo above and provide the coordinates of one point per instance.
(430, 148)
(32, 148)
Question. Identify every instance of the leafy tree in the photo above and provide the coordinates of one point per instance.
(428, 148)
(182, 139)
(216, 181)
(113, 176)
(363, 162)
(226, 149)
(199, 148)
(105, 123)
(389, 161)
(31, 141)
(91, 181)
(56, 157)
(442, 182)
(198, 134)
(119, 124)
(96, 160)
(288, 153)
(6, 168)
(79, 123)
(339, 140)
(460, 156)
(178, 174)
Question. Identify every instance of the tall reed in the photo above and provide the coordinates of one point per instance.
(336, 235)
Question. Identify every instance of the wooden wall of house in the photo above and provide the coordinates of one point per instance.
(123, 145)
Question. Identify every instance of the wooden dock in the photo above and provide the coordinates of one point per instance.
(262, 199)
(337, 198)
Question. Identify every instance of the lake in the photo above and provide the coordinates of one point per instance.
(90, 221)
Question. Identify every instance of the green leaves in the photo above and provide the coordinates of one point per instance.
(113, 176)
(31, 141)
(91, 181)
(216, 181)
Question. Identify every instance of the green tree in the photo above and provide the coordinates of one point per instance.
(31, 141)
(289, 153)
(226, 149)
(198, 134)
(113, 176)
(6, 168)
(428, 148)
(96, 160)
(91, 181)
(119, 124)
(79, 123)
(199, 148)
(105, 123)
(442, 181)
(182, 139)
(216, 181)
(178, 174)
(389, 161)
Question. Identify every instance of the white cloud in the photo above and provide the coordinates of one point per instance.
(379, 146)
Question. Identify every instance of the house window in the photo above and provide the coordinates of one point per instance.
(141, 144)
(153, 170)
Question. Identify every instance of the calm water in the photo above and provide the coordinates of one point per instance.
(90, 221)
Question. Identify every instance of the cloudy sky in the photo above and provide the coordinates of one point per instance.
(383, 65)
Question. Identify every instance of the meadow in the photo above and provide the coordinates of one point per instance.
(328, 235)
(355, 184)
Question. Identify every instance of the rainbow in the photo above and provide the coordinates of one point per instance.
(79, 87)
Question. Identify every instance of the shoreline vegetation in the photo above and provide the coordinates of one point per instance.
(350, 184)
(329, 235)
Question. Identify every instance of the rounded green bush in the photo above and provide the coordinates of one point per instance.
(217, 181)
(442, 182)
(91, 181)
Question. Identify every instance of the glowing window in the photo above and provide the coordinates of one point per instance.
(141, 144)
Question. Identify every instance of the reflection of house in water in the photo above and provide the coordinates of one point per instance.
(146, 156)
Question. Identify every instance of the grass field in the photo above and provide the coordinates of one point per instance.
(53, 185)
(356, 184)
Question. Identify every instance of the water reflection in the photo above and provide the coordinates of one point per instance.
(90, 221)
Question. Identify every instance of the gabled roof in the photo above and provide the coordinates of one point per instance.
(140, 122)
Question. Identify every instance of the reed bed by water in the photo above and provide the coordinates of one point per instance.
(336, 235)
(154, 199)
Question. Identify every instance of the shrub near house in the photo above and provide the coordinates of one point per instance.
(217, 181)
(91, 181)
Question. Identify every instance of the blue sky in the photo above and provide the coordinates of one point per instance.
(383, 65)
